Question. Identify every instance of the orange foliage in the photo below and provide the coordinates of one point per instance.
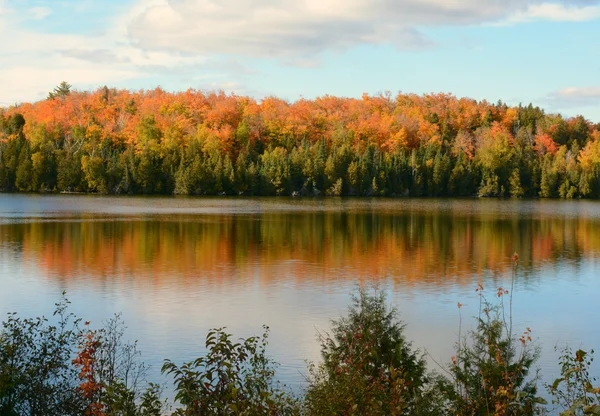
(391, 124)
(86, 361)
(544, 144)
(215, 250)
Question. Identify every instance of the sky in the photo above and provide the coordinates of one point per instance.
(518, 51)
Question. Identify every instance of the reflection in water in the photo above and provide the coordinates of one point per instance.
(177, 267)
(412, 248)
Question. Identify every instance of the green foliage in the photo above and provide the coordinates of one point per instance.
(55, 367)
(24, 174)
(70, 176)
(112, 374)
(490, 186)
(368, 366)
(94, 172)
(61, 91)
(154, 142)
(275, 170)
(233, 378)
(36, 374)
(574, 392)
(490, 374)
(9, 157)
(516, 190)
(52, 367)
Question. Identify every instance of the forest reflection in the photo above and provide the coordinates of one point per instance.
(414, 248)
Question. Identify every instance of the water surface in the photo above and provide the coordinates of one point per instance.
(177, 267)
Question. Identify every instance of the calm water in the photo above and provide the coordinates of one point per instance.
(176, 267)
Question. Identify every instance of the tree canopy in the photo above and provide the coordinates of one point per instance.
(210, 143)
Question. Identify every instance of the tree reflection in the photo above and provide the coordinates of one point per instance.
(422, 248)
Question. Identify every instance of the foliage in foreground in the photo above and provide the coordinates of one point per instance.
(368, 368)
(575, 391)
(368, 365)
(490, 374)
(36, 374)
(112, 378)
(60, 367)
(233, 378)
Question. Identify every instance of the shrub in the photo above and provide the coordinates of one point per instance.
(36, 374)
(574, 392)
(233, 378)
(59, 369)
(368, 366)
(490, 373)
(111, 374)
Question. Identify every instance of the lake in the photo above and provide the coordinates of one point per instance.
(176, 267)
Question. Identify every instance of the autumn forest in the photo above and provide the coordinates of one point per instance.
(210, 143)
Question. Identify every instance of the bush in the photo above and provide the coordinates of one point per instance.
(574, 392)
(368, 366)
(60, 369)
(490, 373)
(233, 378)
(36, 374)
(111, 374)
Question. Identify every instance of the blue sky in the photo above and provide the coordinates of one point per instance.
(517, 51)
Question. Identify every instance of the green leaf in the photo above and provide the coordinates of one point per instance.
(571, 371)
(592, 410)
(557, 383)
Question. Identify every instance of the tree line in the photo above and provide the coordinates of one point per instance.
(209, 143)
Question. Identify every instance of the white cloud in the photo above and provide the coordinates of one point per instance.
(40, 80)
(205, 40)
(33, 62)
(575, 97)
(591, 92)
(94, 55)
(292, 28)
(297, 30)
(39, 13)
(557, 12)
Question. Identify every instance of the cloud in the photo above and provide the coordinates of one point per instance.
(183, 42)
(557, 12)
(575, 97)
(94, 55)
(29, 82)
(35, 61)
(293, 30)
(39, 13)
